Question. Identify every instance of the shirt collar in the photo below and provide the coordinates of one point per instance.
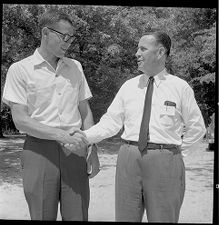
(38, 59)
(160, 76)
(157, 78)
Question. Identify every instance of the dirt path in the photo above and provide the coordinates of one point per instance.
(197, 206)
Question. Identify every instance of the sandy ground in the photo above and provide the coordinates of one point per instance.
(197, 206)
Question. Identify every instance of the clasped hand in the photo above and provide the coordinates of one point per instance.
(76, 143)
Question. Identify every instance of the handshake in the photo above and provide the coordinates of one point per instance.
(78, 144)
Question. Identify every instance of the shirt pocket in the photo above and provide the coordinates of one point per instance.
(168, 117)
(40, 97)
(71, 92)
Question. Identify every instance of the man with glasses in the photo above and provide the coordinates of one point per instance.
(48, 96)
(64, 37)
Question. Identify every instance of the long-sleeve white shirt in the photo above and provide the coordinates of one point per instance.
(166, 122)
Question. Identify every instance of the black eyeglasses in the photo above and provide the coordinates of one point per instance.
(65, 37)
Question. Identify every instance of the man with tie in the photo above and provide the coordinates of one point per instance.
(153, 108)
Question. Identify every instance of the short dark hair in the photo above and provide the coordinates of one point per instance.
(162, 38)
(53, 16)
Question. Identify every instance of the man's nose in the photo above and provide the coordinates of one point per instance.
(137, 54)
(67, 44)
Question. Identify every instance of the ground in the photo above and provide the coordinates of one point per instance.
(197, 206)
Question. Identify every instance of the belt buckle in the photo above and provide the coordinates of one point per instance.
(129, 142)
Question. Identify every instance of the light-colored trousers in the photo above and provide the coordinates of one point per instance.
(154, 182)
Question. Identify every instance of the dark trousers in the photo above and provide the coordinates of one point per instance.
(154, 182)
(50, 177)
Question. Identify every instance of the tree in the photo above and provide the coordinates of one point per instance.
(19, 38)
(106, 39)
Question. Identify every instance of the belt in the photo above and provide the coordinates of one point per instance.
(155, 146)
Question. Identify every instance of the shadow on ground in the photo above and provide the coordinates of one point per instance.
(10, 167)
(11, 147)
(10, 152)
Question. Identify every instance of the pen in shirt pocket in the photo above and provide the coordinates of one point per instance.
(169, 103)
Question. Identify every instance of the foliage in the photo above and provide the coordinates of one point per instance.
(6, 120)
(106, 43)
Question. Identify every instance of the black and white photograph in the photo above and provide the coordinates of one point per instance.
(108, 113)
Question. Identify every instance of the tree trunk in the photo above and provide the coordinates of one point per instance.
(1, 133)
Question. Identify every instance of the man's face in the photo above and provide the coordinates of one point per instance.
(55, 40)
(147, 53)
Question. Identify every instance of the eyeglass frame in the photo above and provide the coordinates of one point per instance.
(63, 35)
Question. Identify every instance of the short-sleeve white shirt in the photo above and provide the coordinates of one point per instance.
(52, 96)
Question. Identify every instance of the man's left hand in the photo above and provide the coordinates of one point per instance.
(93, 164)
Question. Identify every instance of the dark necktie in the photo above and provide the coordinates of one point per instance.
(144, 130)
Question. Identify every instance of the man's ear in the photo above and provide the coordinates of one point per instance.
(161, 52)
(44, 31)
